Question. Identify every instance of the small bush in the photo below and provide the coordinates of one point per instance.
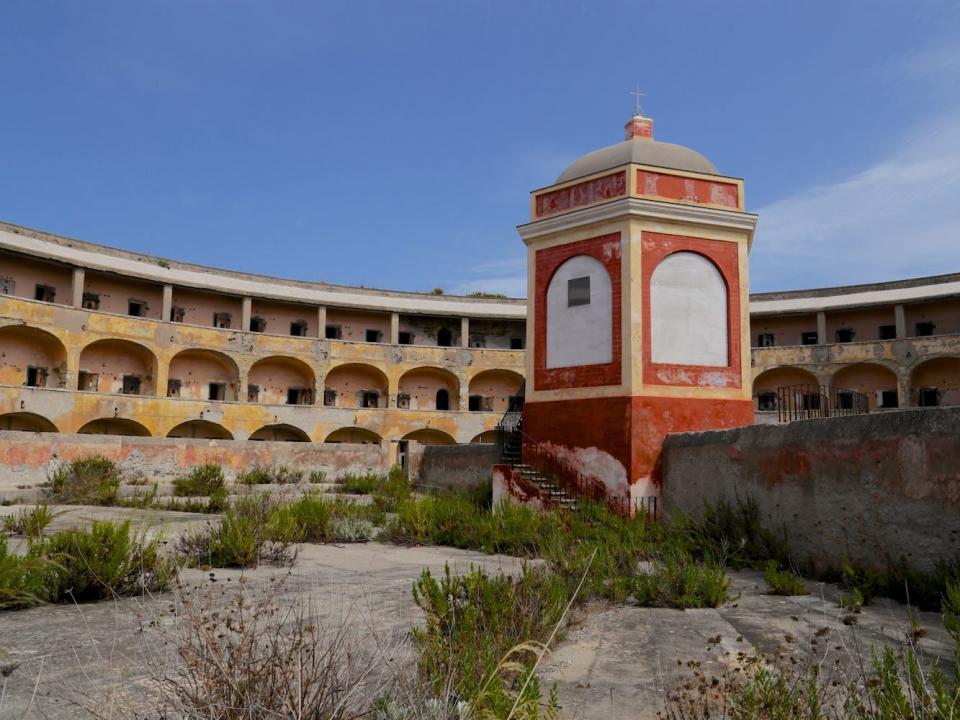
(202, 480)
(263, 475)
(352, 530)
(21, 578)
(360, 484)
(679, 582)
(88, 481)
(783, 582)
(317, 476)
(255, 475)
(29, 521)
(392, 490)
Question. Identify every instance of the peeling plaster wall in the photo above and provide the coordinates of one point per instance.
(26, 458)
(786, 329)
(115, 294)
(196, 371)
(20, 348)
(425, 330)
(495, 333)
(27, 274)
(351, 380)
(865, 323)
(200, 307)
(497, 388)
(456, 467)
(422, 386)
(112, 360)
(871, 488)
(279, 316)
(944, 314)
(274, 376)
(354, 324)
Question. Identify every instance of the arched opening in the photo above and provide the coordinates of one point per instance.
(26, 422)
(688, 312)
(281, 380)
(428, 388)
(579, 314)
(355, 385)
(877, 382)
(765, 385)
(487, 437)
(114, 426)
(493, 390)
(430, 436)
(936, 382)
(33, 357)
(203, 375)
(444, 337)
(117, 366)
(357, 435)
(200, 429)
(280, 432)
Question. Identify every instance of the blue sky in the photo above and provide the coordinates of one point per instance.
(393, 144)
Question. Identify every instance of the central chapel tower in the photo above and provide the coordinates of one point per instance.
(637, 319)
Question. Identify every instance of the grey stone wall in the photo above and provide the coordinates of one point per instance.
(454, 467)
(869, 488)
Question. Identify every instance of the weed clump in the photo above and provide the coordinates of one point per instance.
(30, 522)
(87, 481)
(783, 582)
(678, 582)
(270, 475)
(203, 480)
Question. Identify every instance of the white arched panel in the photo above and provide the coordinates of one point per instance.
(688, 312)
(579, 314)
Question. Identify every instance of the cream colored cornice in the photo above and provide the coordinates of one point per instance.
(639, 208)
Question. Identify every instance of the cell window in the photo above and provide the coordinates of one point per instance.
(90, 301)
(45, 293)
(809, 338)
(217, 391)
(928, 397)
(298, 328)
(445, 337)
(516, 343)
(811, 401)
(845, 400)
(369, 399)
(373, 336)
(442, 400)
(333, 332)
(258, 324)
(888, 399)
(177, 314)
(88, 381)
(131, 385)
(173, 387)
(222, 320)
(475, 403)
(767, 401)
(329, 398)
(7, 285)
(36, 376)
(405, 337)
(765, 340)
(924, 329)
(136, 308)
(403, 401)
(299, 396)
(887, 332)
(253, 393)
(845, 335)
(578, 291)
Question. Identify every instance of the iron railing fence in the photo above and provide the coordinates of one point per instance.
(803, 402)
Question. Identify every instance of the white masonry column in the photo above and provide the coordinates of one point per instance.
(166, 308)
(322, 322)
(246, 313)
(79, 275)
(394, 328)
(900, 316)
(821, 328)
(464, 332)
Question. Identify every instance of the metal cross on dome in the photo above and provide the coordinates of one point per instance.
(637, 95)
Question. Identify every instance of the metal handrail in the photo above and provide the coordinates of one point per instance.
(803, 402)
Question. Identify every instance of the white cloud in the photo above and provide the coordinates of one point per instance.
(898, 218)
(507, 277)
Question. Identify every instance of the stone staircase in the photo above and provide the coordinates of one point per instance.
(548, 486)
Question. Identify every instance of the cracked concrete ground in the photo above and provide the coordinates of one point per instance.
(614, 663)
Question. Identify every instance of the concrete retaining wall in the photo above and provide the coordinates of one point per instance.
(871, 488)
(454, 467)
(26, 458)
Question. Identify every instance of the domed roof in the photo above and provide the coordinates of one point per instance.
(642, 150)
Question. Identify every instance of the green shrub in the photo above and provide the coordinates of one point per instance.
(680, 582)
(312, 515)
(735, 531)
(783, 582)
(365, 484)
(103, 561)
(317, 476)
(264, 475)
(87, 481)
(22, 579)
(29, 521)
(202, 480)
(392, 490)
(256, 475)
(352, 530)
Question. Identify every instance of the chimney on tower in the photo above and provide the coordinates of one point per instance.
(638, 127)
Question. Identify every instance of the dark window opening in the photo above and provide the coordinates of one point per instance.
(809, 338)
(253, 393)
(173, 387)
(88, 381)
(845, 335)
(765, 340)
(888, 399)
(217, 391)
(475, 403)
(299, 396)
(136, 308)
(811, 401)
(887, 332)
(578, 291)
(36, 376)
(405, 337)
(443, 399)
(403, 401)
(444, 337)
(258, 324)
(924, 329)
(177, 314)
(222, 320)
(369, 399)
(298, 328)
(333, 332)
(7, 285)
(131, 385)
(929, 397)
(516, 343)
(766, 401)
(90, 301)
(329, 397)
(374, 336)
(45, 293)
(845, 400)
